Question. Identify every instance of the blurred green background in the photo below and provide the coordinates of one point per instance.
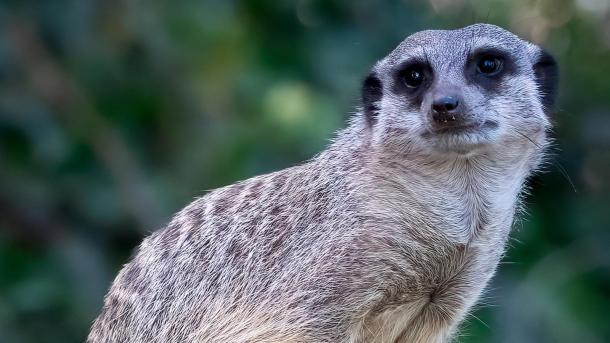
(115, 114)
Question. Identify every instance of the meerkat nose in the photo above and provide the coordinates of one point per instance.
(446, 111)
(445, 104)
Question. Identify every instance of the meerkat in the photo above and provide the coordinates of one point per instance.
(389, 235)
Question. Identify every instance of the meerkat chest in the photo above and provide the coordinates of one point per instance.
(437, 276)
(411, 322)
(428, 304)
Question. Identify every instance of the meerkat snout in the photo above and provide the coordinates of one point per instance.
(388, 235)
(447, 111)
(446, 104)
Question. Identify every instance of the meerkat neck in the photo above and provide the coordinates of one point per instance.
(470, 193)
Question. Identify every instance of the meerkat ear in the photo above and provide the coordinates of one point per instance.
(372, 90)
(547, 77)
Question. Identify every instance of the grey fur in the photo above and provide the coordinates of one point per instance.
(389, 235)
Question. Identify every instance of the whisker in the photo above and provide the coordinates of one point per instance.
(479, 319)
(561, 169)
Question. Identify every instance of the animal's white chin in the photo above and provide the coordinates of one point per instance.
(467, 140)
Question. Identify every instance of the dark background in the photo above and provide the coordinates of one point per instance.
(115, 114)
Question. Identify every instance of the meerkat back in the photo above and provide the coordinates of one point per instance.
(388, 235)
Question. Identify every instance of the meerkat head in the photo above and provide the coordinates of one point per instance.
(460, 92)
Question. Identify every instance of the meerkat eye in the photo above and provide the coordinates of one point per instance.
(490, 65)
(413, 76)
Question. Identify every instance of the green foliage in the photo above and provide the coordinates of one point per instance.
(115, 114)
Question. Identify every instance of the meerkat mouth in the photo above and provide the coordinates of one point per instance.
(462, 138)
(448, 127)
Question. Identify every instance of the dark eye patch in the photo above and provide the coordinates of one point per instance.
(411, 79)
(490, 65)
(486, 67)
(411, 76)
